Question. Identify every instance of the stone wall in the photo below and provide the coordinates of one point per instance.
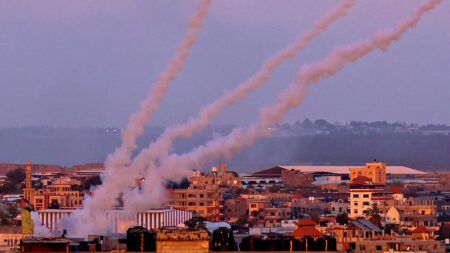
(179, 246)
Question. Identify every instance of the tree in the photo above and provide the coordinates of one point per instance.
(444, 232)
(342, 218)
(12, 210)
(3, 215)
(274, 188)
(391, 227)
(242, 220)
(76, 187)
(194, 222)
(16, 176)
(8, 188)
(373, 214)
(315, 217)
(92, 181)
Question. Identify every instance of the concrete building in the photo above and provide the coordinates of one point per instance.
(10, 237)
(58, 194)
(306, 227)
(375, 171)
(216, 176)
(205, 195)
(173, 240)
(28, 191)
(119, 221)
(295, 178)
(206, 201)
(339, 206)
(235, 208)
(363, 193)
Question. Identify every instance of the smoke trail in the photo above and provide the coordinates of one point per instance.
(39, 230)
(175, 166)
(115, 163)
(162, 146)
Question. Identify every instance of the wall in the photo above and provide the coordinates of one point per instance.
(182, 246)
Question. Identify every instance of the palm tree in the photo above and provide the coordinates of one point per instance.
(373, 214)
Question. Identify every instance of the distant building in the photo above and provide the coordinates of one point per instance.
(58, 194)
(205, 195)
(235, 208)
(375, 171)
(306, 227)
(119, 222)
(295, 178)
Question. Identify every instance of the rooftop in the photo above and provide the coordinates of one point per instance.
(276, 171)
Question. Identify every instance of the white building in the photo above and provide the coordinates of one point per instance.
(119, 221)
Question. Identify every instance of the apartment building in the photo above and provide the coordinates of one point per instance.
(205, 195)
(375, 171)
(206, 201)
(363, 193)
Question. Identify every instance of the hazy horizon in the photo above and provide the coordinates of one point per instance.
(88, 64)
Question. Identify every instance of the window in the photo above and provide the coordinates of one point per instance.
(366, 196)
(355, 211)
(355, 196)
(365, 203)
(379, 247)
(333, 209)
(355, 204)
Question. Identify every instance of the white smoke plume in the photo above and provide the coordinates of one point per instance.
(39, 230)
(116, 169)
(175, 166)
(146, 158)
(163, 145)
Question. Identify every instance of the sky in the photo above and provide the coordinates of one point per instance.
(89, 63)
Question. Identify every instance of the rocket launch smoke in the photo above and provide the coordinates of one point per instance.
(225, 147)
(115, 163)
(176, 166)
(162, 146)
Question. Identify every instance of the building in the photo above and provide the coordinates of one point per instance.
(119, 221)
(396, 173)
(375, 171)
(306, 227)
(10, 237)
(58, 194)
(363, 194)
(235, 208)
(403, 244)
(34, 244)
(176, 240)
(339, 206)
(28, 191)
(219, 176)
(205, 194)
(355, 231)
(206, 201)
(295, 178)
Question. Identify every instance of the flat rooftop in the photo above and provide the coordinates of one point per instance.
(395, 170)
